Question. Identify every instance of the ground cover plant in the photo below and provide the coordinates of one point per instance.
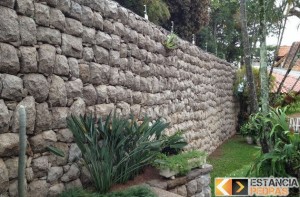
(181, 163)
(233, 157)
(137, 191)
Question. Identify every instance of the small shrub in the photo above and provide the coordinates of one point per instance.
(283, 158)
(115, 150)
(173, 144)
(181, 163)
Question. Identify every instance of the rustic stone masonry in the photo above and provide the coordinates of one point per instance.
(59, 57)
(194, 184)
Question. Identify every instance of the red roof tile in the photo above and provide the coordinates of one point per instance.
(288, 83)
(283, 50)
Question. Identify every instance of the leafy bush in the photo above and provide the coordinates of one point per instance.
(181, 163)
(290, 100)
(138, 191)
(283, 158)
(240, 84)
(255, 126)
(115, 150)
(173, 144)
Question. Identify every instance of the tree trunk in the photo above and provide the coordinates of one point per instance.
(280, 37)
(264, 72)
(247, 57)
(263, 60)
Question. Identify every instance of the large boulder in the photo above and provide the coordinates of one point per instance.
(78, 107)
(12, 167)
(57, 93)
(25, 7)
(40, 166)
(27, 30)
(89, 95)
(59, 116)
(61, 65)
(4, 117)
(9, 26)
(72, 174)
(48, 35)
(74, 88)
(57, 19)
(29, 104)
(43, 118)
(40, 142)
(56, 189)
(4, 181)
(54, 174)
(9, 61)
(72, 46)
(37, 86)
(9, 144)
(28, 59)
(38, 188)
(12, 87)
(46, 58)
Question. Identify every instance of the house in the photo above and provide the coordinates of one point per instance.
(290, 81)
(284, 52)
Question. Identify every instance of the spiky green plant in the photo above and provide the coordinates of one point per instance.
(116, 149)
(171, 42)
(22, 152)
(56, 151)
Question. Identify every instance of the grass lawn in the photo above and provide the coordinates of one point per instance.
(232, 159)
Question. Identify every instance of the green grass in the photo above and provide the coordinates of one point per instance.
(233, 158)
(136, 191)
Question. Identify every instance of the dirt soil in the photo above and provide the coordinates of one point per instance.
(148, 174)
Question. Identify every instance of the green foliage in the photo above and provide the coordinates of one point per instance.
(255, 126)
(56, 151)
(290, 100)
(188, 16)
(240, 84)
(182, 162)
(137, 191)
(173, 144)
(293, 108)
(171, 42)
(222, 36)
(158, 10)
(116, 149)
(231, 158)
(283, 159)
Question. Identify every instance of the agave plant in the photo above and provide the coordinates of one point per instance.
(171, 41)
(116, 149)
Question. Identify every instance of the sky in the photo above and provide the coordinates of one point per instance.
(291, 33)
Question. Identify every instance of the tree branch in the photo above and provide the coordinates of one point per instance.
(295, 11)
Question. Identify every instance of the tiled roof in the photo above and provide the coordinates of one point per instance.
(283, 50)
(288, 83)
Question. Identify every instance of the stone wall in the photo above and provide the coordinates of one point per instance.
(59, 57)
(194, 184)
